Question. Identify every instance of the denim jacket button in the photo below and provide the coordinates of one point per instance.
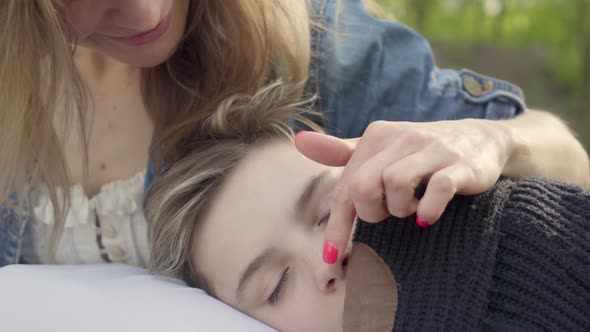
(488, 86)
(472, 86)
(477, 88)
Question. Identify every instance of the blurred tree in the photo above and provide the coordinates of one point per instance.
(584, 27)
(499, 21)
(378, 11)
(420, 8)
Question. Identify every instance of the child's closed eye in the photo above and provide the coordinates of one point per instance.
(324, 220)
(275, 297)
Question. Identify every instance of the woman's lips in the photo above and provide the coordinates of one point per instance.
(146, 37)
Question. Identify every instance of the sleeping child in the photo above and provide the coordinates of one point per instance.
(243, 217)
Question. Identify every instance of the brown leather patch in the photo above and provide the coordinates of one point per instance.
(370, 304)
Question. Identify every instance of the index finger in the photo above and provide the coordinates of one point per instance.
(340, 223)
(342, 209)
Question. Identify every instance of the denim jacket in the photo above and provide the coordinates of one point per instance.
(364, 70)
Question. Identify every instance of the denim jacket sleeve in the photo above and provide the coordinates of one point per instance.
(369, 69)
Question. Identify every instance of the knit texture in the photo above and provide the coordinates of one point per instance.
(516, 257)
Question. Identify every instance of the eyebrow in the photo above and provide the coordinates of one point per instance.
(300, 207)
(303, 201)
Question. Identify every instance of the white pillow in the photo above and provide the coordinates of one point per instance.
(108, 298)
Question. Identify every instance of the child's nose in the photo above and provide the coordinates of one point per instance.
(331, 276)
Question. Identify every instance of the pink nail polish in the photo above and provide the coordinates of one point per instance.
(299, 133)
(330, 254)
(421, 223)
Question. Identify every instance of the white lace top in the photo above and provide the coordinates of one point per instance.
(109, 227)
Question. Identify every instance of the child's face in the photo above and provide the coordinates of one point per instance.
(260, 245)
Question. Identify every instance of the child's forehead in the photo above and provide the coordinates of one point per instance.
(271, 153)
(265, 173)
(262, 190)
(267, 169)
(273, 159)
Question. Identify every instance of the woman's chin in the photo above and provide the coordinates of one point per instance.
(144, 57)
(146, 61)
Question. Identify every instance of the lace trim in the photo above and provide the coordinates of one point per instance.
(118, 198)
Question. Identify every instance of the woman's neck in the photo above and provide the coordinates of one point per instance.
(115, 113)
(103, 74)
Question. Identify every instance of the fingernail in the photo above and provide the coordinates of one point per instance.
(299, 133)
(330, 253)
(421, 223)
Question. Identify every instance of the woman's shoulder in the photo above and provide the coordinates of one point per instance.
(370, 69)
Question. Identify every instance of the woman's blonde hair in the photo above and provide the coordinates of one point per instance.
(229, 48)
(180, 196)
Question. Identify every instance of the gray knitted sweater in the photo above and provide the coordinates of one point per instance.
(516, 258)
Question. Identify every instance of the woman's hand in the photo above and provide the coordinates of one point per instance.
(384, 167)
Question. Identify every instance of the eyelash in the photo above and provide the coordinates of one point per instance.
(276, 294)
(324, 219)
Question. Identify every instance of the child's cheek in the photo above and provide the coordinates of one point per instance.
(310, 310)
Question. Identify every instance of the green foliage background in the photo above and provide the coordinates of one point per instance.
(541, 45)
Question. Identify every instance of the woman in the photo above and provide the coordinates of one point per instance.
(88, 84)
(244, 216)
